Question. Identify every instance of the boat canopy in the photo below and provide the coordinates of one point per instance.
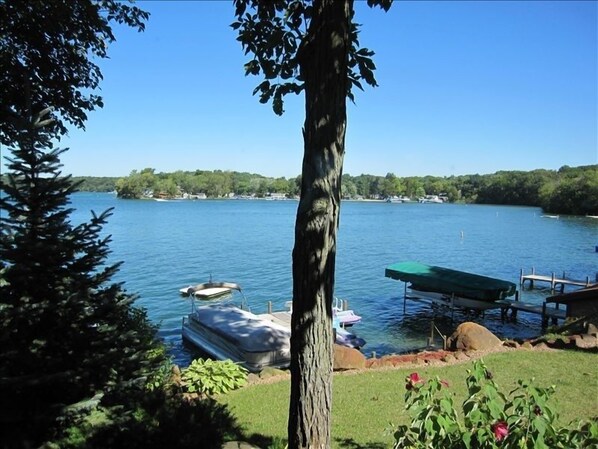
(444, 280)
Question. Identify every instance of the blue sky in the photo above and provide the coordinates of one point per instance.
(465, 87)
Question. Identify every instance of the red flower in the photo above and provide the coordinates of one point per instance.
(414, 378)
(500, 430)
(445, 383)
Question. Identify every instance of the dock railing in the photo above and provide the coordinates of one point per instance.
(553, 280)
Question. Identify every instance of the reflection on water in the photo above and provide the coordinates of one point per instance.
(168, 245)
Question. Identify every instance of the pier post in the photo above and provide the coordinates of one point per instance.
(431, 337)
(269, 306)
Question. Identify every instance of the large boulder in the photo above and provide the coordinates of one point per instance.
(472, 337)
(347, 358)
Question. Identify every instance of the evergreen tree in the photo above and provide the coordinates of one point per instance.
(67, 331)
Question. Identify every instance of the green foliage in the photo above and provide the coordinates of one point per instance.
(154, 420)
(95, 183)
(278, 443)
(66, 331)
(161, 376)
(49, 49)
(212, 377)
(214, 184)
(278, 36)
(523, 419)
(568, 191)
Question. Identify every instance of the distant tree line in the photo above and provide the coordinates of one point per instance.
(569, 190)
(95, 183)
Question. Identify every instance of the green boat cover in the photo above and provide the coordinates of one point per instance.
(444, 280)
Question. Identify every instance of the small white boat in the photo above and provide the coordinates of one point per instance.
(431, 199)
(394, 199)
(341, 319)
(450, 300)
(200, 291)
(556, 217)
(346, 317)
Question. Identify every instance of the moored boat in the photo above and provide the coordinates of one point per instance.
(431, 199)
(227, 331)
(450, 287)
(200, 291)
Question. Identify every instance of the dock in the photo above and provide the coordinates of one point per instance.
(546, 312)
(554, 281)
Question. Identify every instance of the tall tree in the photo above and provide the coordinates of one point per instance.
(66, 330)
(47, 57)
(312, 47)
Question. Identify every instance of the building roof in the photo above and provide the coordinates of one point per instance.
(587, 293)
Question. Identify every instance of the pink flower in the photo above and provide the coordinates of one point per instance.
(412, 379)
(500, 430)
(445, 383)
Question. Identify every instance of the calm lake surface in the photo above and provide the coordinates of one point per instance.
(172, 244)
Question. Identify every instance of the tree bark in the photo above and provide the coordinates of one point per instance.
(323, 62)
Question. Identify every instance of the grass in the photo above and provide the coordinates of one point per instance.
(365, 403)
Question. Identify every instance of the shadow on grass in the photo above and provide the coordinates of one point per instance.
(174, 423)
(280, 443)
(266, 442)
(350, 443)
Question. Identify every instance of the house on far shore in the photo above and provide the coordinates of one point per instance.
(199, 196)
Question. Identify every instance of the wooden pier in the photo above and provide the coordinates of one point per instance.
(546, 312)
(553, 280)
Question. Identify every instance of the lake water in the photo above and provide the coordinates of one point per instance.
(172, 244)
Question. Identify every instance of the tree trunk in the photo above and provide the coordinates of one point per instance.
(323, 62)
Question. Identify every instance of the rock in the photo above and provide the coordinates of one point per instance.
(347, 358)
(460, 355)
(592, 329)
(175, 375)
(472, 336)
(527, 345)
(252, 378)
(448, 358)
(511, 344)
(586, 341)
(272, 372)
(372, 363)
(238, 445)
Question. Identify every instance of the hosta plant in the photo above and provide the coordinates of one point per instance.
(522, 419)
(210, 377)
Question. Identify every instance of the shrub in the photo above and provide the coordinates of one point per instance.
(520, 420)
(212, 377)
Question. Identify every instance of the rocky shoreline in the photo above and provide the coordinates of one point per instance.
(469, 342)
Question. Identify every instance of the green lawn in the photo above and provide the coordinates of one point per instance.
(365, 404)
